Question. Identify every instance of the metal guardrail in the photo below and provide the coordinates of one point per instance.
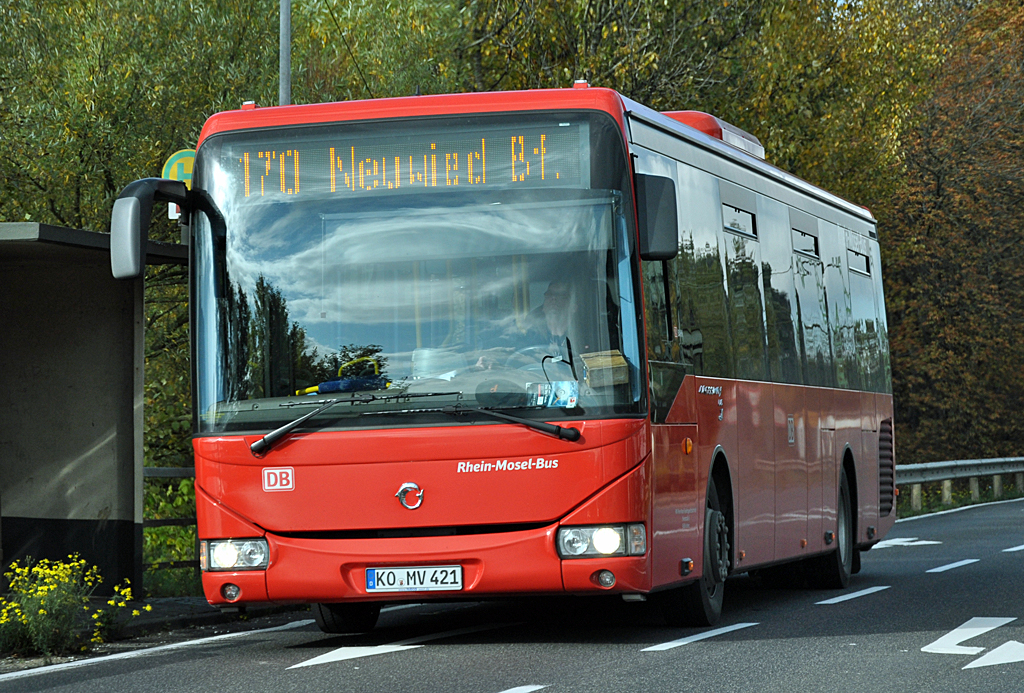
(957, 469)
(169, 473)
(917, 474)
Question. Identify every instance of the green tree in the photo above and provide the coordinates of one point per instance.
(830, 86)
(97, 93)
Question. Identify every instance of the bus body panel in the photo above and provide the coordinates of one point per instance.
(253, 587)
(214, 520)
(677, 519)
(757, 482)
(627, 499)
(846, 406)
(481, 475)
(797, 496)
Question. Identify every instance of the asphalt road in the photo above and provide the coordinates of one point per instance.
(938, 607)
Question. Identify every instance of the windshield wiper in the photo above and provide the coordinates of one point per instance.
(564, 432)
(267, 441)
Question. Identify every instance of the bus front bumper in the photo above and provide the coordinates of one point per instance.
(493, 565)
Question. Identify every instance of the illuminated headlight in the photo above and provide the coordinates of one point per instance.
(234, 554)
(613, 540)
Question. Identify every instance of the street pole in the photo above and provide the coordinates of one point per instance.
(285, 80)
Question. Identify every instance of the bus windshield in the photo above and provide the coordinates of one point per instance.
(414, 270)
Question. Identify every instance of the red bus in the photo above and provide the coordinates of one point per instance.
(538, 343)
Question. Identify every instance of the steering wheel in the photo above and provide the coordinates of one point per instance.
(528, 358)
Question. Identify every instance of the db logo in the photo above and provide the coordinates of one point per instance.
(278, 479)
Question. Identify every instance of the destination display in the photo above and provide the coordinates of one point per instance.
(538, 156)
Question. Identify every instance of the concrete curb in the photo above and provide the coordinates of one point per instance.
(176, 614)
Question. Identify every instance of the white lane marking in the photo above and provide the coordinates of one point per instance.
(694, 638)
(526, 689)
(1014, 548)
(950, 642)
(957, 510)
(854, 595)
(1007, 653)
(950, 566)
(903, 541)
(344, 653)
(147, 651)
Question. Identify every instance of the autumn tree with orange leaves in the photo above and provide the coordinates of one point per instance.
(953, 253)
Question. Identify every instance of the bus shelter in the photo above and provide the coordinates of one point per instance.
(71, 378)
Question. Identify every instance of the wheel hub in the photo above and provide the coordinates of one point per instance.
(716, 533)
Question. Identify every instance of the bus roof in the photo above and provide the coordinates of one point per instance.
(670, 125)
(606, 100)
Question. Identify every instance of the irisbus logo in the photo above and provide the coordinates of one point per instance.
(710, 390)
(278, 479)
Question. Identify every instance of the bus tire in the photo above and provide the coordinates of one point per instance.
(356, 617)
(699, 603)
(833, 570)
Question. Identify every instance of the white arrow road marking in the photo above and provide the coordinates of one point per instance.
(950, 566)
(854, 595)
(1014, 548)
(343, 653)
(1007, 653)
(950, 642)
(694, 638)
(526, 689)
(903, 541)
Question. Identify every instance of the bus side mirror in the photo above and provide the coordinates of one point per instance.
(129, 222)
(656, 213)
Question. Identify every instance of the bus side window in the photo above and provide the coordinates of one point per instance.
(698, 278)
(814, 338)
(865, 314)
(832, 240)
(668, 365)
(781, 320)
(743, 273)
(884, 380)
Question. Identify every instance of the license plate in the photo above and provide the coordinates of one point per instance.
(437, 577)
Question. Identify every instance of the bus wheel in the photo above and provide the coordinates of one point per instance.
(700, 602)
(356, 617)
(833, 570)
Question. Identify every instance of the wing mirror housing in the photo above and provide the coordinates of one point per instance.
(656, 214)
(129, 222)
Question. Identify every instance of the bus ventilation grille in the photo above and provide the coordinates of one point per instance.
(886, 469)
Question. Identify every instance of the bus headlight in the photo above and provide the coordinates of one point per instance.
(235, 554)
(612, 540)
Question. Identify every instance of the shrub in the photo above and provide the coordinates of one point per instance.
(48, 606)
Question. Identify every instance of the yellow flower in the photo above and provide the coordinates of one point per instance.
(135, 612)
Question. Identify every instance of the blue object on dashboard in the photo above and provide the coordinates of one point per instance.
(372, 382)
